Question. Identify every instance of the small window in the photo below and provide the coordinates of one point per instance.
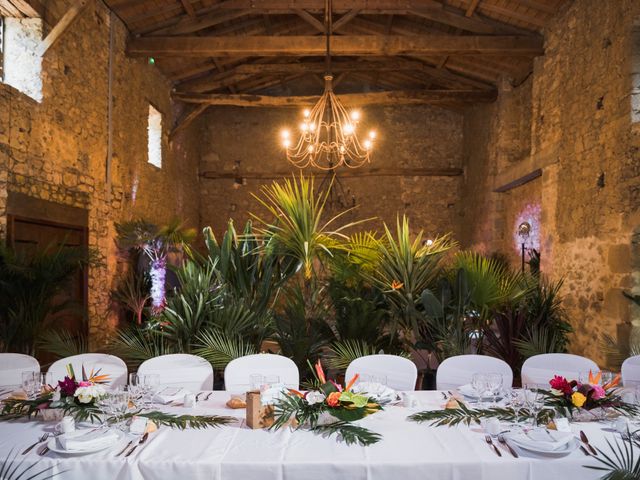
(155, 137)
(21, 64)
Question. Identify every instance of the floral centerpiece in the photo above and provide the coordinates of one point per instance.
(574, 398)
(79, 399)
(581, 401)
(327, 408)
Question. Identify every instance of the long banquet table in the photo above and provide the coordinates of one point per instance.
(408, 451)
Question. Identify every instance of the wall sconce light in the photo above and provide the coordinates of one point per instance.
(524, 229)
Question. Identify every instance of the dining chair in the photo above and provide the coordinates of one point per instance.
(457, 371)
(180, 370)
(238, 372)
(12, 365)
(631, 371)
(400, 372)
(539, 369)
(107, 364)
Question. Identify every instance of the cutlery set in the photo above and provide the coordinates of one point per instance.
(586, 447)
(205, 398)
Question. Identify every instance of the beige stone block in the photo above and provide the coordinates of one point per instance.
(616, 305)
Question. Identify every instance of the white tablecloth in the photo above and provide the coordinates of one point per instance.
(408, 451)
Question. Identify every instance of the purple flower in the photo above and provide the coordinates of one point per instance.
(68, 386)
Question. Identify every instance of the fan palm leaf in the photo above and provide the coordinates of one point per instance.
(219, 349)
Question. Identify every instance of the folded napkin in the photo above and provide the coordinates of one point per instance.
(542, 440)
(80, 441)
(379, 392)
(170, 394)
(470, 392)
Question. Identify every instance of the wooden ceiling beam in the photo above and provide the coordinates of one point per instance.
(477, 24)
(188, 7)
(195, 24)
(387, 45)
(507, 12)
(471, 8)
(27, 8)
(310, 19)
(405, 97)
(346, 18)
(319, 5)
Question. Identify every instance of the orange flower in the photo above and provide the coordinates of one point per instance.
(351, 382)
(296, 393)
(320, 373)
(333, 399)
(396, 285)
(614, 383)
(594, 379)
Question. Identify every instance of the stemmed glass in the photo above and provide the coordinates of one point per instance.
(534, 400)
(151, 384)
(516, 402)
(136, 388)
(479, 383)
(32, 383)
(494, 385)
(119, 405)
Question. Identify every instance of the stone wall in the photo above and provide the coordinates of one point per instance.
(57, 150)
(576, 111)
(245, 142)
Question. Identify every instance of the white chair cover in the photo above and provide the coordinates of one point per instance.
(401, 372)
(107, 364)
(238, 371)
(631, 371)
(12, 365)
(539, 369)
(190, 372)
(457, 371)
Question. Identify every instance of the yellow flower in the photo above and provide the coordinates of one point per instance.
(578, 399)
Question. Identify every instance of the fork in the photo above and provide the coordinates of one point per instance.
(487, 439)
(31, 447)
(503, 441)
(207, 397)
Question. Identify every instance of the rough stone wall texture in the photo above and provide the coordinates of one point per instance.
(246, 141)
(56, 150)
(582, 136)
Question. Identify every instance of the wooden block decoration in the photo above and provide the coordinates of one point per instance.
(258, 415)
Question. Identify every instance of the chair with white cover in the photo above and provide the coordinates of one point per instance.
(109, 365)
(238, 372)
(12, 365)
(457, 371)
(631, 372)
(180, 370)
(400, 372)
(539, 369)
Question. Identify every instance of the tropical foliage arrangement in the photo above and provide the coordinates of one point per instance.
(620, 461)
(562, 399)
(299, 280)
(79, 399)
(326, 409)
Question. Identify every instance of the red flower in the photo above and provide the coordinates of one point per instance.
(68, 386)
(561, 384)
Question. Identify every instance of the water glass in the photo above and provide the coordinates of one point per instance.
(136, 388)
(516, 401)
(479, 383)
(379, 379)
(151, 385)
(534, 400)
(494, 385)
(32, 383)
(256, 380)
(119, 405)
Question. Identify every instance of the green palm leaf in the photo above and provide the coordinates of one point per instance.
(219, 349)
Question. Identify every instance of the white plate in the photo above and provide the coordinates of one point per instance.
(54, 447)
(561, 452)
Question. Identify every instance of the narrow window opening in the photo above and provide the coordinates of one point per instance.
(155, 137)
(21, 64)
(635, 73)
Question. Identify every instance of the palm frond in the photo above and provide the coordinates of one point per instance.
(135, 345)
(620, 461)
(62, 343)
(219, 349)
(15, 467)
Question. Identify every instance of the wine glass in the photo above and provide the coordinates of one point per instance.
(151, 382)
(32, 383)
(494, 385)
(534, 399)
(256, 381)
(119, 405)
(479, 384)
(516, 400)
(136, 388)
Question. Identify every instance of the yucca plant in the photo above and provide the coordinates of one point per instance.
(297, 228)
(30, 288)
(406, 266)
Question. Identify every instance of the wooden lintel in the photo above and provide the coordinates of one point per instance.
(362, 172)
(61, 26)
(405, 97)
(519, 181)
(348, 45)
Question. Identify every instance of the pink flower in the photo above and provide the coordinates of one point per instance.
(84, 384)
(598, 392)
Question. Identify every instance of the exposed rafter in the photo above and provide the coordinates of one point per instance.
(375, 98)
(344, 45)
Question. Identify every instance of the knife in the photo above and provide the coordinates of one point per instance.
(142, 440)
(585, 440)
(125, 448)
